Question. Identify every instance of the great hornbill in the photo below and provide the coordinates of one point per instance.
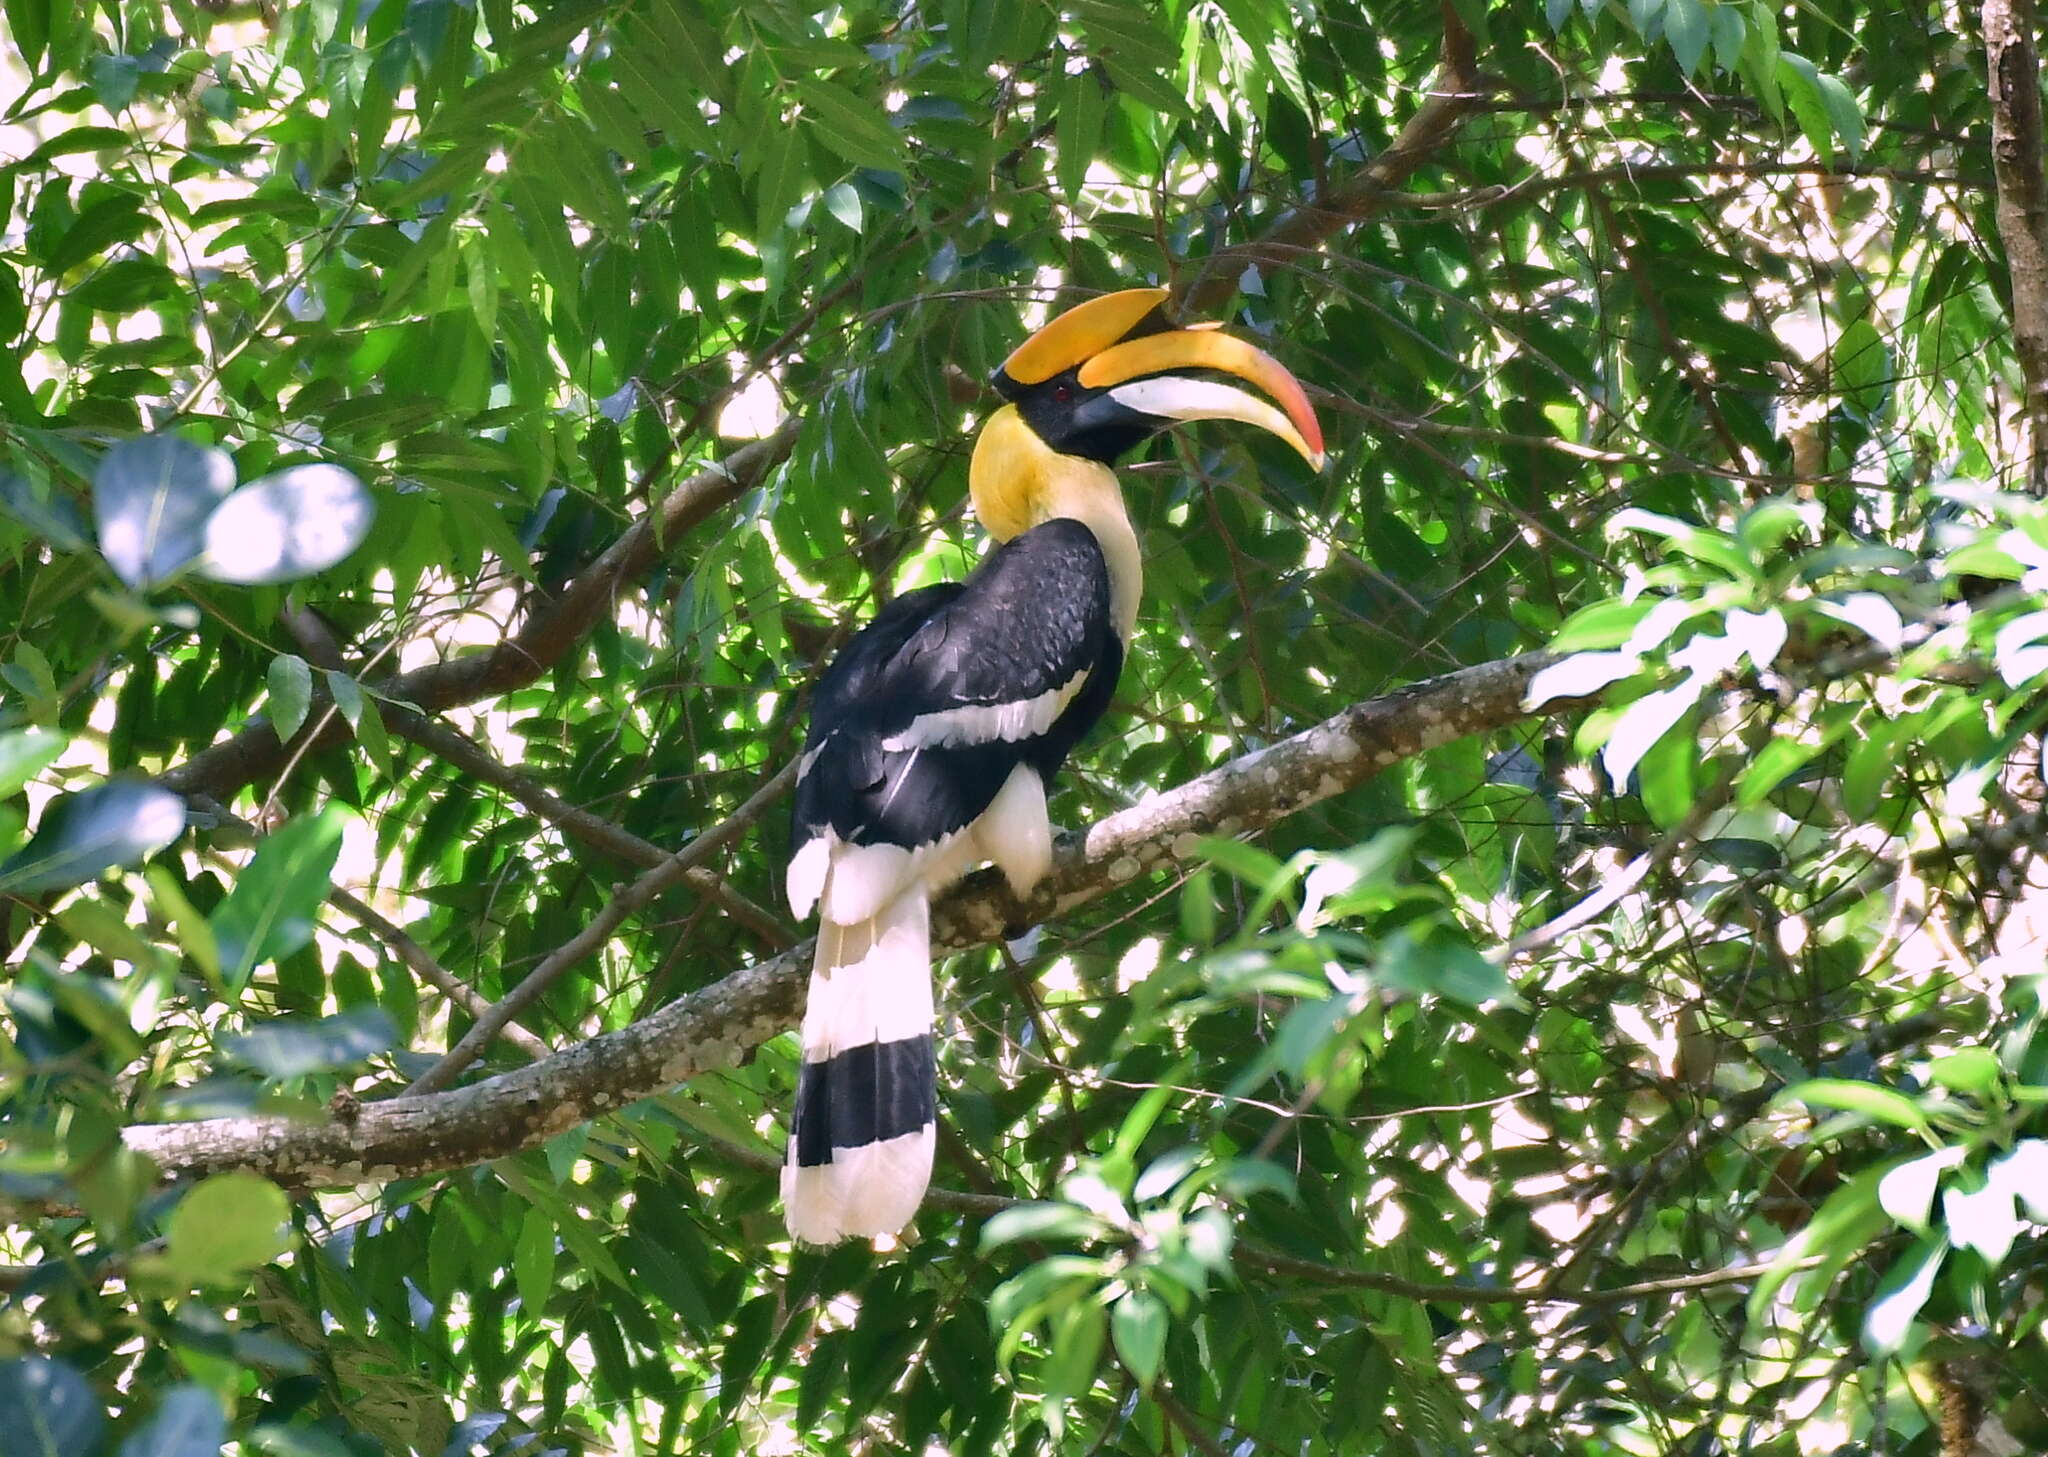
(936, 730)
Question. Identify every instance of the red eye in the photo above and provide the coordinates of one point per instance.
(1062, 393)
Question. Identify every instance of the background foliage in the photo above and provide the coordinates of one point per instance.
(1661, 1072)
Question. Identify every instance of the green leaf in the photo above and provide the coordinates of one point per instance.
(295, 1047)
(269, 913)
(533, 1261)
(29, 23)
(779, 180)
(24, 754)
(1644, 723)
(1974, 1070)
(844, 204)
(82, 836)
(195, 936)
(1139, 1324)
(1078, 129)
(1077, 1338)
(1039, 1222)
(1766, 526)
(1863, 367)
(1698, 542)
(684, 38)
(1884, 1105)
(127, 284)
(1442, 966)
(226, 1226)
(1686, 31)
(651, 88)
(1800, 79)
(347, 695)
(1776, 762)
(52, 516)
(1847, 1220)
(1606, 624)
(290, 681)
(856, 129)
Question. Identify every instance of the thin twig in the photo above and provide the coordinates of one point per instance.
(429, 970)
(594, 936)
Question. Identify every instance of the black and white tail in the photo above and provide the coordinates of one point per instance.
(860, 1145)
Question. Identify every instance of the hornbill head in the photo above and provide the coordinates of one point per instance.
(1108, 374)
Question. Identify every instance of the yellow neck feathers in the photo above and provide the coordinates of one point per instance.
(1018, 482)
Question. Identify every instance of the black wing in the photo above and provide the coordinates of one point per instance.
(923, 715)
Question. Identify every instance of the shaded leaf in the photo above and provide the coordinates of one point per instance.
(1139, 1325)
(50, 1410)
(81, 836)
(152, 498)
(294, 1047)
(189, 1422)
(269, 913)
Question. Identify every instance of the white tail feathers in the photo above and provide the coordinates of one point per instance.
(860, 1146)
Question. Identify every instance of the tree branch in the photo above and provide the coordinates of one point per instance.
(718, 1026)
(2014, 71)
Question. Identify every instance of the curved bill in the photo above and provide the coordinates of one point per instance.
(1139, 370)
(1081, 332)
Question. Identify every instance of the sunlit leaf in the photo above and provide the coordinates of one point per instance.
(1906, 1192)
(1981, 1219)
(224, 1227)
(286, 526)
(24, 754)
(1900, 1295)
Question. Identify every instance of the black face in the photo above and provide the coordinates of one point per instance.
(1075, 420)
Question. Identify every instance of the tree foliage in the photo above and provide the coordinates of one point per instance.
(1554, 966)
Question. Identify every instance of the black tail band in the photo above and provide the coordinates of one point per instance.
(866, 1094)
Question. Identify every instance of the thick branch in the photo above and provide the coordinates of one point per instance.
(541, 641)
(719, 1026)
(2014, 69)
